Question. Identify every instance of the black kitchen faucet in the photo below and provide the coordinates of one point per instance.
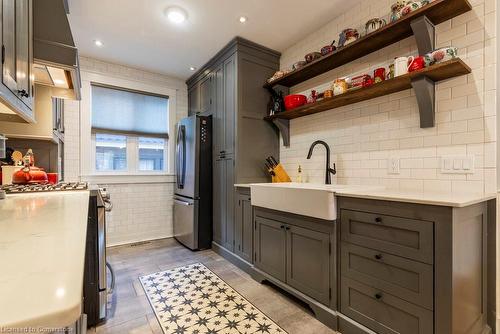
(329, 171)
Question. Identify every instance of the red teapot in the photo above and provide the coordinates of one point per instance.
(29, 175)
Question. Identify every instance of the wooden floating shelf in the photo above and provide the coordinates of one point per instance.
(436, 12)
(438, 72)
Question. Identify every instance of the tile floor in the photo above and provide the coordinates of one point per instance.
(132, 313)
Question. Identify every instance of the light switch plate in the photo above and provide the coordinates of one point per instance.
(393, 166)
(457, 164)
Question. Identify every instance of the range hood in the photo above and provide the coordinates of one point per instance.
(54, 52)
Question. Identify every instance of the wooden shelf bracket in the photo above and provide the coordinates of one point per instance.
(425, 34)
(425, 91)
(283, 126)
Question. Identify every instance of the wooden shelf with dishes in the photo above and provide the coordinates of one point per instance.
(419, 23)
(449, 69)
(437, 12)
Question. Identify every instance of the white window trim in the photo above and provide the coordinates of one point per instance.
(87, 144)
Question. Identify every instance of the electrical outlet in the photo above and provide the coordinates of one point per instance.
(393, 166)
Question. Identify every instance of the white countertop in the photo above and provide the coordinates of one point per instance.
(381, 193)
(419, 197)
(42, 252)
(242, 185)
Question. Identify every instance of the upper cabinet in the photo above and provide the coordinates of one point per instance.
(49, 115)
(37, 46)
(16, 91)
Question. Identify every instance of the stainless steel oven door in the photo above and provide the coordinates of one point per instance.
(101, 249)
(186, 221)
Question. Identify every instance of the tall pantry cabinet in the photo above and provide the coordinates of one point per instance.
(230, 89)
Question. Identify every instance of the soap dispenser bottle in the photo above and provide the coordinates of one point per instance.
(299, 175)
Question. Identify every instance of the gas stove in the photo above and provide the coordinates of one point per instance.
(43, 187)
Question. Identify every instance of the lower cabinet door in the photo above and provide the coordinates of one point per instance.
(219, 200)
(270, 244)
(243, 225)
(382, 312)
(228, 188)
(308, 262)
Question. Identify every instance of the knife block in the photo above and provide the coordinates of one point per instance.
(280, 175)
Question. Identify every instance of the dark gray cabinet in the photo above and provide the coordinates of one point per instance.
(412, 268)
(194, 100)
(297, 251)
(243, 225)
(229, 87)
(223, 226)
(308, 262)
(383, 313)
(206, 92)
(228, 107)
(17, 57)
(270, 247)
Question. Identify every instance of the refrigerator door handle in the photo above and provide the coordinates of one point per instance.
(180, 150)
(183, 176)
(183, 203)
(177, 156)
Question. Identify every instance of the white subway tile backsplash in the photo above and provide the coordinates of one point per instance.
(363, 136)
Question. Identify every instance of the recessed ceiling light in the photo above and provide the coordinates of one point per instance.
(176, 15)
(243, 19)
(192, 68)
(98, 43)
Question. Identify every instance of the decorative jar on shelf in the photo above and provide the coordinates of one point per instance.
(396, 10)
(339, 86)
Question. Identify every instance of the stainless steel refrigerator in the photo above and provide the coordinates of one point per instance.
(193, 186)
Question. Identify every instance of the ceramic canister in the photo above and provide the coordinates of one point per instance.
(379, 74)
(400, 66)
(339, 86)
(415, 63)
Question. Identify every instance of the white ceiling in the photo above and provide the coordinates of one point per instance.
(136, 33)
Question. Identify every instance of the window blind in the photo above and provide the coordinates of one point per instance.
(116, 110)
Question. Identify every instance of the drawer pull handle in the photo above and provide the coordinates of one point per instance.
(378, 220)
(378, 296)
(378, 256)
(282, 226)
(287, 228)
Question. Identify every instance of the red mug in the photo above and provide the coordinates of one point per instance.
(416, 63)
(379, 74)
(53, 178)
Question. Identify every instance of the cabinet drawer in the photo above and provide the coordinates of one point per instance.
(410, 238)
(382, 312)
(409, 280)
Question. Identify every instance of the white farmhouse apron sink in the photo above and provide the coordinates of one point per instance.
(307, 199)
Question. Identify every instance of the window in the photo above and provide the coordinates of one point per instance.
(130, 130)
(111, 152)
(151, 153)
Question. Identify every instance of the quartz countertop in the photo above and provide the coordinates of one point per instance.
(419, 197)
(42, 252)
(381, 193)
(242, 185)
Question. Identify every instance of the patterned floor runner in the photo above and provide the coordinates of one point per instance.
(193, 300)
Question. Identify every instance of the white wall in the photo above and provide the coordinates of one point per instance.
(364, 135)
(142, 211)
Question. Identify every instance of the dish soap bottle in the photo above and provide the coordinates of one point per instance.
(299, 175)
